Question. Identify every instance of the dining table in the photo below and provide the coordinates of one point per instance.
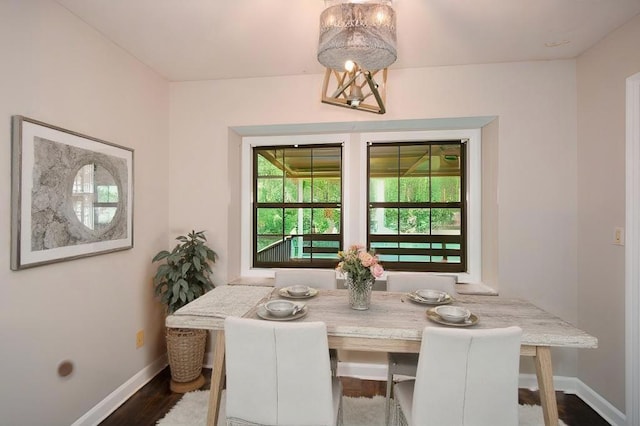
(393, 323)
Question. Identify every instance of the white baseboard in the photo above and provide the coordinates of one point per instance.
(600, 405)
(560, 383)
(575, 386)
(208, 360)
(116, 398)
(361, 370)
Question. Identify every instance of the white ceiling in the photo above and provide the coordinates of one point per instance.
(216, 39)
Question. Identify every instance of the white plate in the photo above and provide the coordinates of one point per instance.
(433, 316)
(262, 313)
(284, 293)
(415, 298)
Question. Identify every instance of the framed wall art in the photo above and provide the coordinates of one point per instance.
(71, 195)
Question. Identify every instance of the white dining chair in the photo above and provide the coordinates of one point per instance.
(316, 278)
(405, 364)
(278, 374)
(465, 377)
(410, 281)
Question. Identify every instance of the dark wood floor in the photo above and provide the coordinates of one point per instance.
(154, 400)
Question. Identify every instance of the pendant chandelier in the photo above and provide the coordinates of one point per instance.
(360, 31)
(357, 40)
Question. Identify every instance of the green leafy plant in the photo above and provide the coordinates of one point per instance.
(186, 274)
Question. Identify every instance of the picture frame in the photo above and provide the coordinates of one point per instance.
(71, 195)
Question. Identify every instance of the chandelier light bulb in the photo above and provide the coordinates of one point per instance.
(349, 65)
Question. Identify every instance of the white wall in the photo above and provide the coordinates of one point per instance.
(537, 206)
(58, 70)
(602, 72)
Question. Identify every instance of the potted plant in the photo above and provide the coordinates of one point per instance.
(185, 275)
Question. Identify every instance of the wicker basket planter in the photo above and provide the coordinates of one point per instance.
(185, 350)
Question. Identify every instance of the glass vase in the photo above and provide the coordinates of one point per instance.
(360, 293)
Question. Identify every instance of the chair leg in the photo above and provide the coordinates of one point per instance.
(388, 396)
(333, 359)
(400, 419)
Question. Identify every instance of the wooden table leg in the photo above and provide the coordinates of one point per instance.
(544, 372)
(217, 378)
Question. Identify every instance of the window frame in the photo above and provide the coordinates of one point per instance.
(247, 233)
(429, 266)
(473, 186)
(312, 236)
(354, 182)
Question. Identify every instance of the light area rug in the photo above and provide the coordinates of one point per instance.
(191, 410)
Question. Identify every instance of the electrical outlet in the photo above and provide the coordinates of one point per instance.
(618, 236)
(139, 339)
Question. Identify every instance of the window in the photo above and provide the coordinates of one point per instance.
(417, 211)
(297, 205)
(303, 167)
